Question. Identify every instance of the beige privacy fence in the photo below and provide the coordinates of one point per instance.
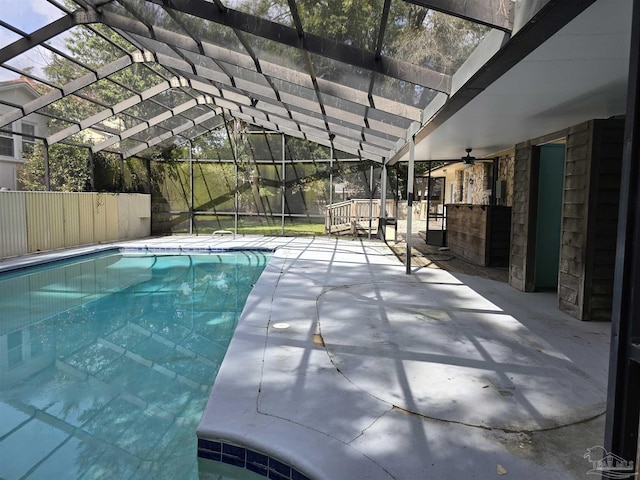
(38, 221)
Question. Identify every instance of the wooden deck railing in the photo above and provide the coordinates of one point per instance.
(352, 216)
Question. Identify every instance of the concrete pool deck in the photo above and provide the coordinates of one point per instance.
(344, 367)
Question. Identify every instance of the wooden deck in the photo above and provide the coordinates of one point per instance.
(352, 217)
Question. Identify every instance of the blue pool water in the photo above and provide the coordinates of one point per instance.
(106, 363)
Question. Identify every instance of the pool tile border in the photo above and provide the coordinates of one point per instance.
(257, 462)
(196, 249)
(13, 265)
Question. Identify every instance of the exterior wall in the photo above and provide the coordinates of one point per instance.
(574, 219)
(467, 232)
(19, 93)
(457, 181)
(479, 233)
(521, 243)
(38, 221)
(506, 165)
(602, 232)
(590, 217)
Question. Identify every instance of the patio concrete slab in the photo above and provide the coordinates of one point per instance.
(362, 371)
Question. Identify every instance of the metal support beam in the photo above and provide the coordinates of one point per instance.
(191, 195)
(382, 221)
(376, 144)
(89, 122)
(121, 165)
(412, 144)
(36, 38)
(288, 102)
(496, 14)
(92, 170)
(546, 22)
(172, 133)
(47, 176)
(370, 200)
(315, 44)
(330, 174)
(283, 179)
(269, 69)
(428, 193)
(202, 100)
(68, 89)
(623, 401)
(339, 142)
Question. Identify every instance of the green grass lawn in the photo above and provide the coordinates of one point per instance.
(267, 228)
(290, 229)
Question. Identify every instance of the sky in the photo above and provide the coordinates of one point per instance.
(28, 16)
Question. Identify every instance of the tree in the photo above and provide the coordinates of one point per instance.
(69, 165)
(68, 173)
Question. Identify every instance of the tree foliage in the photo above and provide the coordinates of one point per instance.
(69, 171)
(412, 34)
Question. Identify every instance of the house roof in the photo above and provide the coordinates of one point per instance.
(22, 82)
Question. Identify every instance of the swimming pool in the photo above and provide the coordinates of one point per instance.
(106, 362)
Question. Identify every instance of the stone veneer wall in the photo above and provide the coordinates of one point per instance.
(506, 173)
(589, 217)
(481, 188)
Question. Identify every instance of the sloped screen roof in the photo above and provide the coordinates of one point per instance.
(131, 76)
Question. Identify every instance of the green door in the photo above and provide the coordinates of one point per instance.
(549, 219)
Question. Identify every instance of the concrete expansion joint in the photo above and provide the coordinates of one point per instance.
(321, 344)
(409, 280)
(375, 420)
(346, 444)
(266, 337)
(424, 417)
(556, 427)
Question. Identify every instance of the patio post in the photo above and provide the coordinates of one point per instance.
(92, 173)
(121, 171)
(47, 177)
(623, 396)
(191, 202)
(412, 145)
(283, 186)
(330, 211)
(370, 199)
(382, 220)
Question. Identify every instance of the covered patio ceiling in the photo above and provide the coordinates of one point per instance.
(278, 69)
(577, 74)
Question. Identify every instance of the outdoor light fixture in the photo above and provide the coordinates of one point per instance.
(468, 161)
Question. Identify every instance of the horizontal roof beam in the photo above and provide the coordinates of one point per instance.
(67, 89)
(36, 38)
(151, 122)
(315, 44)
(496, 14)
(349, 145)
(109, 112)
(244, 61)
(551, 17)
(222, 95)
(173, 133)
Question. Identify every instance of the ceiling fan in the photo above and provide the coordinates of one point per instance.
(468, 160)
